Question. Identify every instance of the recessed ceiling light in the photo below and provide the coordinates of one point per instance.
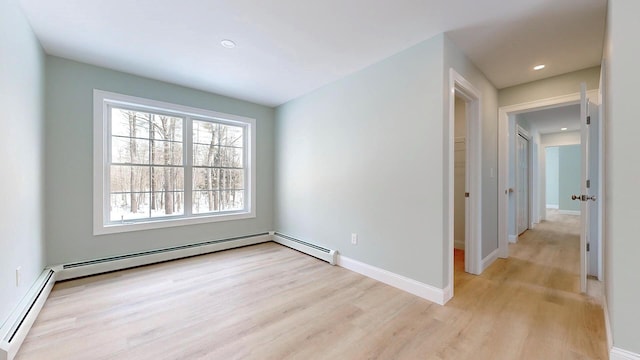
(539, 67)
(563, 129)
(229, 44)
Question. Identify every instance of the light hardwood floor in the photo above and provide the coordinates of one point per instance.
(271, 302)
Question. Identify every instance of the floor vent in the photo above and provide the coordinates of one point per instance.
(328, 255)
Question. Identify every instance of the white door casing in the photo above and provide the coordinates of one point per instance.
(473, 252)
(594, 253)
(504, 138)
(522, 183)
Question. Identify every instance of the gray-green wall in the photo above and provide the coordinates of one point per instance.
(551, 87)
(569, 171)
(21, 149)
(622, 169)
(367, 155)
(552, 172)
(364, 155)
(69, 163)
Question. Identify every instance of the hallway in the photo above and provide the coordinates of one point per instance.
(531, 303)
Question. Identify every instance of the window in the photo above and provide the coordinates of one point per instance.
(159, 164)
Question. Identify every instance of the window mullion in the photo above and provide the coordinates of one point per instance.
(187, 160)
(246, 159)
(149, 160)
(218, 148)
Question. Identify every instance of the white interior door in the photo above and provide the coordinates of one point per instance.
(522, 183)
(587, 198)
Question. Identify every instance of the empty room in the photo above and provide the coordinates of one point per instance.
(318, 180)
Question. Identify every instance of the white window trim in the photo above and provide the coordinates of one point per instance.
(101, 99)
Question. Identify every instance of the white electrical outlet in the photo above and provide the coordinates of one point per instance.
(354, 239)
(18, 270)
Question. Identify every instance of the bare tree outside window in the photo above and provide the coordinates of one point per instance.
(147, 170)
(147, 178)
(218, 174)
(161, 165)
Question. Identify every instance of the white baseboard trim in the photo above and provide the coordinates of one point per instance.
(414, 287)
(614, 352)
(551, 206)
(99, 266)
(569, 212)
(17, 326)
(620, 354)
(487, 261)
(448, 294)
(513, 239)
(458, 244)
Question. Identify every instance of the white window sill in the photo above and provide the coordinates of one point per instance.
(125, 226)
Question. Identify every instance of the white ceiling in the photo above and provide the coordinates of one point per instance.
(550, 121)
(287, 48)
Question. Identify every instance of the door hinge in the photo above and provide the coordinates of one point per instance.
(588, 247)
(588, 184)
(588, 120)
(466, 194)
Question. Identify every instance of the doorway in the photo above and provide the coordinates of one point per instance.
(523, 193)
(460, 180)
(464, 201)
(507, 115)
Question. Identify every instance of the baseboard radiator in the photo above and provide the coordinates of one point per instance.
(328, 255)
(17, 326)
(15, 329)
(114, 263)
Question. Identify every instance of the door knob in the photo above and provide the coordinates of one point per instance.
(583, 197)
